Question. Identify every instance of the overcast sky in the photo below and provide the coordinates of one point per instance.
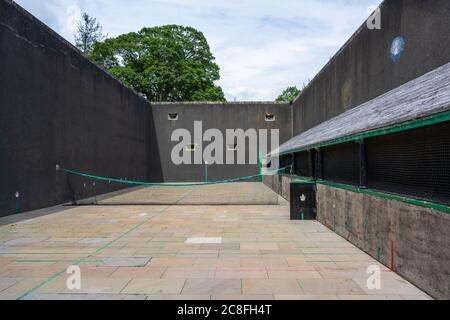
(261, 46)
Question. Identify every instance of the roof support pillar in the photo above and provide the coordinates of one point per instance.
(319, 164)
(311, 171)
(362, 164)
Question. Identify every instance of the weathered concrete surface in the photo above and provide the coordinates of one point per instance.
(280, 184)
(57, 107)
(220, 116)
(419, 236)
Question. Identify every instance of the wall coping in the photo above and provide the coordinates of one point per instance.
(212, 103)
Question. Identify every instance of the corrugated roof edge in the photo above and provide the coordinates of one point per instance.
(403, 126)
(439, 114)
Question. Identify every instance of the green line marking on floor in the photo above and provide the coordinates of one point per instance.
(41, 284)
(49, 279)
(42, 261)
(45, 253)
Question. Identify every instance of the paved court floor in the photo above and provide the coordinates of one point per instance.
(185, 252)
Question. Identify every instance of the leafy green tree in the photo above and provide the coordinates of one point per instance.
(289, 95)
(89, 33)
(168, 63)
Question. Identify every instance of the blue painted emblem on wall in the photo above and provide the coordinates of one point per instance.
(397, 49)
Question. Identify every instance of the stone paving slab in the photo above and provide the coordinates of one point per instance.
(155, 286)
(213, 286)
(93, 240)
(329, 286)
(123, 254)
(272, 286)
(124, 262)
(53, 296)
(23, 241)
(203, 240)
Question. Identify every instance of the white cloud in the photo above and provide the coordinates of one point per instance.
(73, 13)
(261, 46)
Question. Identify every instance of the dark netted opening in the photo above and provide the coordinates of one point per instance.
(341, 163)
(413, 163)
(303, 164)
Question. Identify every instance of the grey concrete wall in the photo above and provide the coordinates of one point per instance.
(222, 116)
(280, 184)
(57, 107)
(420, 236)
(363, 69)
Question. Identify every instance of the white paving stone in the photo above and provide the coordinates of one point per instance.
(201, 240)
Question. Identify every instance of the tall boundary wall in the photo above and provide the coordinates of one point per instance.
(223, 117)
(59, 108)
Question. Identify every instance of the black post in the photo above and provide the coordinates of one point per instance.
(294, 163)
(362, 164)
(319, 164)
(303, 201)
(311, 170)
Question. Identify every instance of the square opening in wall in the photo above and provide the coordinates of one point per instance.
(270, 117)
(172, 116)
(191, 147)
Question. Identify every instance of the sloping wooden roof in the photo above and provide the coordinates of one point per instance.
(422, 97)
